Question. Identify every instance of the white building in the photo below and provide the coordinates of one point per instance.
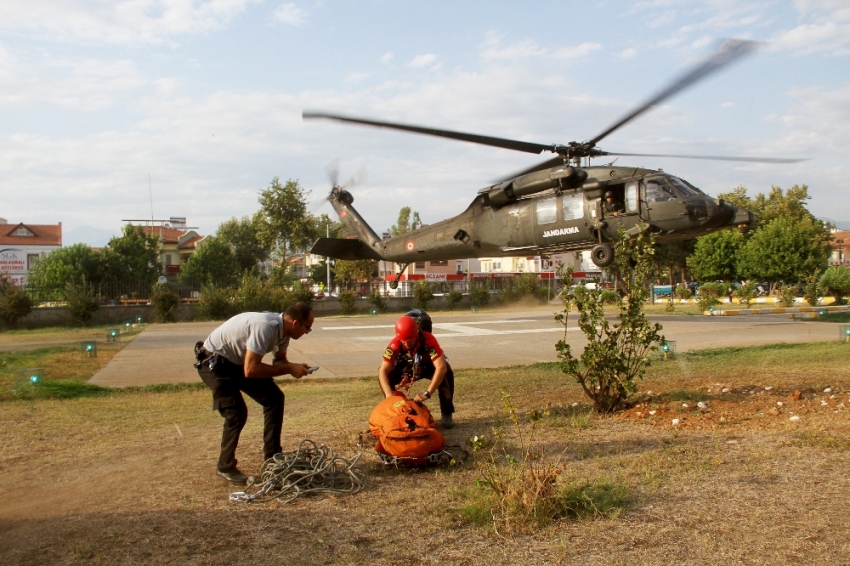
(22, 244)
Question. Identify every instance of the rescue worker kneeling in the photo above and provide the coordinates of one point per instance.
(415, 354)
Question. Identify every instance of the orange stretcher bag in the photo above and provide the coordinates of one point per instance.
(405, 429)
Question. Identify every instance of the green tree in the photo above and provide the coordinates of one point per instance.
(785, 249)
(836, 282)
(347, 272)
(283, 223)
(716, 256)
(133, 255)
(790, 204)
(74, 264)
(243, 237)
(325, 227)
(404, 223)
(672, 259)
(213, 263)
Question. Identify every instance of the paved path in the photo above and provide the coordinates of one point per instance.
(351, 347)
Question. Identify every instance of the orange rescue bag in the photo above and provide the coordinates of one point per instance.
(405, 429)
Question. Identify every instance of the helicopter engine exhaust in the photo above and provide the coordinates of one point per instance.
(509, 191)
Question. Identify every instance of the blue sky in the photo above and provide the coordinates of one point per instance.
(206, 98)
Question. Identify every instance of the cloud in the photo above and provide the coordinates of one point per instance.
(130, 22)
(422, 60)
(289, 14)
(492, 48)
(386, 57)
(629, 53)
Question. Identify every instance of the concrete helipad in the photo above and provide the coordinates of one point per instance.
(352, 347)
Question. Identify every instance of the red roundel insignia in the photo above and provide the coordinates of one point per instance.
(341, 213)
(410, 246)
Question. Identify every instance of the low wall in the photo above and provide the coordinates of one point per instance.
(119, 314)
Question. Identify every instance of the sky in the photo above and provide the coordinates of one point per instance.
(132, 109)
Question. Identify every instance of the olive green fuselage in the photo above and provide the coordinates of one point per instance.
(550, 211)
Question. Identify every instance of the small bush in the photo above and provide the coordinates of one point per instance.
(453, 298)
(303, 293)
(15, 303)
(479, 295)
(378, 301)
(708, 295)
(682, 292)
(422, 294)
(164, 302)
(610, 297)
(746, 293)
(347, 300)
(81, 301)
(811, 293)
(787, 295)
(216, 303)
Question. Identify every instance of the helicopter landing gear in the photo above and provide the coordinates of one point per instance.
(394, 282)
(602, 255)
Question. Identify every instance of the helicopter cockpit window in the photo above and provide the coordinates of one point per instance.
(547, 210)
(631, 197)
(684, 188)
(658, 191)
(573, 207)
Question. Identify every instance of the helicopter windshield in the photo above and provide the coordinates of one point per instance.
(685, 189)
(657, 190)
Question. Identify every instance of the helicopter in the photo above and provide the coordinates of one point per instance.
(555, 206)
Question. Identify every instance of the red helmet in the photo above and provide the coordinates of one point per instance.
(406, 329)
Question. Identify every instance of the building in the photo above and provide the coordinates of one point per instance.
(177, 242)
(840, 244)
(22, 244)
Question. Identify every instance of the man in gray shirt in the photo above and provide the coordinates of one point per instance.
(230, 362)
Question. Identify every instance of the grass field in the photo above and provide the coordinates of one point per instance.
(128, 477)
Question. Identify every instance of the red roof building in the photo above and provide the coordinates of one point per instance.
(22, 244)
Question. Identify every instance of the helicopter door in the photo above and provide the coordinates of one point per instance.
(660, 202)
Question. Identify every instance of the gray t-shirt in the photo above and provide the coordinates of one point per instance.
(259, 332)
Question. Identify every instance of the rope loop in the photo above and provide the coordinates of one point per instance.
(309, 469)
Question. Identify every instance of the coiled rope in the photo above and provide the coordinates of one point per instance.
(309, 469)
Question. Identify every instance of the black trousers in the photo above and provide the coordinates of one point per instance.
(228, 382)
(446, 391)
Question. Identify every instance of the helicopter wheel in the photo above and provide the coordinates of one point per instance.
(602, 255)
(393, 284)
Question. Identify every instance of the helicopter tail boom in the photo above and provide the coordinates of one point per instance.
(342, 248)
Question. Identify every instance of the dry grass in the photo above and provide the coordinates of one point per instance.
(129, 478)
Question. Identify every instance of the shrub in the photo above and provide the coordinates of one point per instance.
(347, 300)
(479, 295)
(787, 295)
(609, 297)
(682, 292)
(81, 302)
(422, 294)
(216, 303)
(520, 493)
(15, 303)
(746, 293)
(616, 355)
(378, 301)
(708, 295)
(453, 298)
(303, 293)
(164, 302)
(836, 282)
(811, 293)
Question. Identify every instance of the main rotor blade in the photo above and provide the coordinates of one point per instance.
(548, 164)
(729, 51)
(516, 145)
(708, 157)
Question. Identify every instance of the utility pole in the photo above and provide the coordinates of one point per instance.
(328, 260)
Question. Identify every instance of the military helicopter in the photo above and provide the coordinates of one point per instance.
(557, 205)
